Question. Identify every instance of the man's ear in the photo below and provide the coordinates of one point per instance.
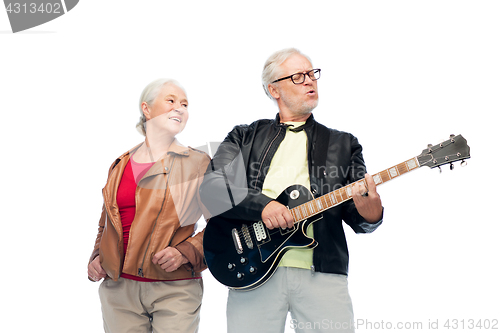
(145, 110)
(273, 91)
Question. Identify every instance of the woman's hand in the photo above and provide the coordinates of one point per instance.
(95, 270)
(169, 259)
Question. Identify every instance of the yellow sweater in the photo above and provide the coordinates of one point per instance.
(289, 167)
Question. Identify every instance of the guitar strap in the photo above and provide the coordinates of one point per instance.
(228, 187)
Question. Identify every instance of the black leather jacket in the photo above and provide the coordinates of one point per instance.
(233, 182)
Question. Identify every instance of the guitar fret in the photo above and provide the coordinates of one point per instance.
(393, 172)
(325, 201)
(310, 207)
(318, 203)
(402, 169)
(349, 191)
(304, 211)
(385, 176)
(296, 214)
(412, 164)
(332, 198)
(338, 197)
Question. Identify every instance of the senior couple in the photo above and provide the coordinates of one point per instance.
(147, 249)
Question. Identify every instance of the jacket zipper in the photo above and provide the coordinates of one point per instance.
(106, 208)
(265, 155)
(141, 270)
(118, 241)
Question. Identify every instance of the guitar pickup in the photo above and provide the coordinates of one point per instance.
(260, 231)
(237, 241)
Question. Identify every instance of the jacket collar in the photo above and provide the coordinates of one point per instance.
(164, 165)
(175, 148)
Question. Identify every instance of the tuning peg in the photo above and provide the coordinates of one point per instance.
(463, 163)
(452, 136)
(430, 147)
(440, 171)
(452, 166)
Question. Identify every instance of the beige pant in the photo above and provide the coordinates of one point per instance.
(161, 307)
(317, 303)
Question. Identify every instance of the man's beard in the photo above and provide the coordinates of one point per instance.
(299, 107)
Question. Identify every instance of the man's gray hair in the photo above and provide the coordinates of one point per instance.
(271, 66)
(149, 95)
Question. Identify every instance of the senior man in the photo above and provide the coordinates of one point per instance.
(254, 164)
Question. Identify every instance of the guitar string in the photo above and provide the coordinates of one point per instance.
(326, 203)
(399, 167)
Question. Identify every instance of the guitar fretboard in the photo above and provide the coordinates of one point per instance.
(343, 194)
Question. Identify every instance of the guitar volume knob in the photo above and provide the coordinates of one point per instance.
(252, 269)
(231, 267)
(240, 276)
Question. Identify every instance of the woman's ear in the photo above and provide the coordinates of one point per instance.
(145, 110)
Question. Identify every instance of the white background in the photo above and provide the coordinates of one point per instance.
(397, 74)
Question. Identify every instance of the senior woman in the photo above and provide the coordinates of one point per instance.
(146, 248)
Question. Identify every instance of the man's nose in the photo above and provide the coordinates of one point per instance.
(307, 79)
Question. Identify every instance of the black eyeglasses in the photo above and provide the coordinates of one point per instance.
(299, 78)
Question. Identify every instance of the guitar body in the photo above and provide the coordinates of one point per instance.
(244, 254)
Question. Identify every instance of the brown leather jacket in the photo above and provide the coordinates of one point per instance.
(167, 207)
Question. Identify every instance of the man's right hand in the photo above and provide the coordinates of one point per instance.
(95, 270)
(276, 215)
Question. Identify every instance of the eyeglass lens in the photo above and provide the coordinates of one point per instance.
(300, 77)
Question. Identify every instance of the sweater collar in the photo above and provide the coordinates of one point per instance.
(309, 123)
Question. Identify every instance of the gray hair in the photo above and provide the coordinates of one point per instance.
(271, 66)
(149, 95)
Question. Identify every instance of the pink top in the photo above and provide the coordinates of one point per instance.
(125, 198)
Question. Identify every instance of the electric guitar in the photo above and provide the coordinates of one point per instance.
(243, 255)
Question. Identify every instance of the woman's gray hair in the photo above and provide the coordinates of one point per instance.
(271, 66)
(148, 95)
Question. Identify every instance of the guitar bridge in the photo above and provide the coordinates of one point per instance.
(246, 235)
(237, 241)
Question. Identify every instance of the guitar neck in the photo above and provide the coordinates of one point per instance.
(343, 194)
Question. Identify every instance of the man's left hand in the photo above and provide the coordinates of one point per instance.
(169, 259)
(367, 201)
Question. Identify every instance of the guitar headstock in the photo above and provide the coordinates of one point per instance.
(449, 151)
